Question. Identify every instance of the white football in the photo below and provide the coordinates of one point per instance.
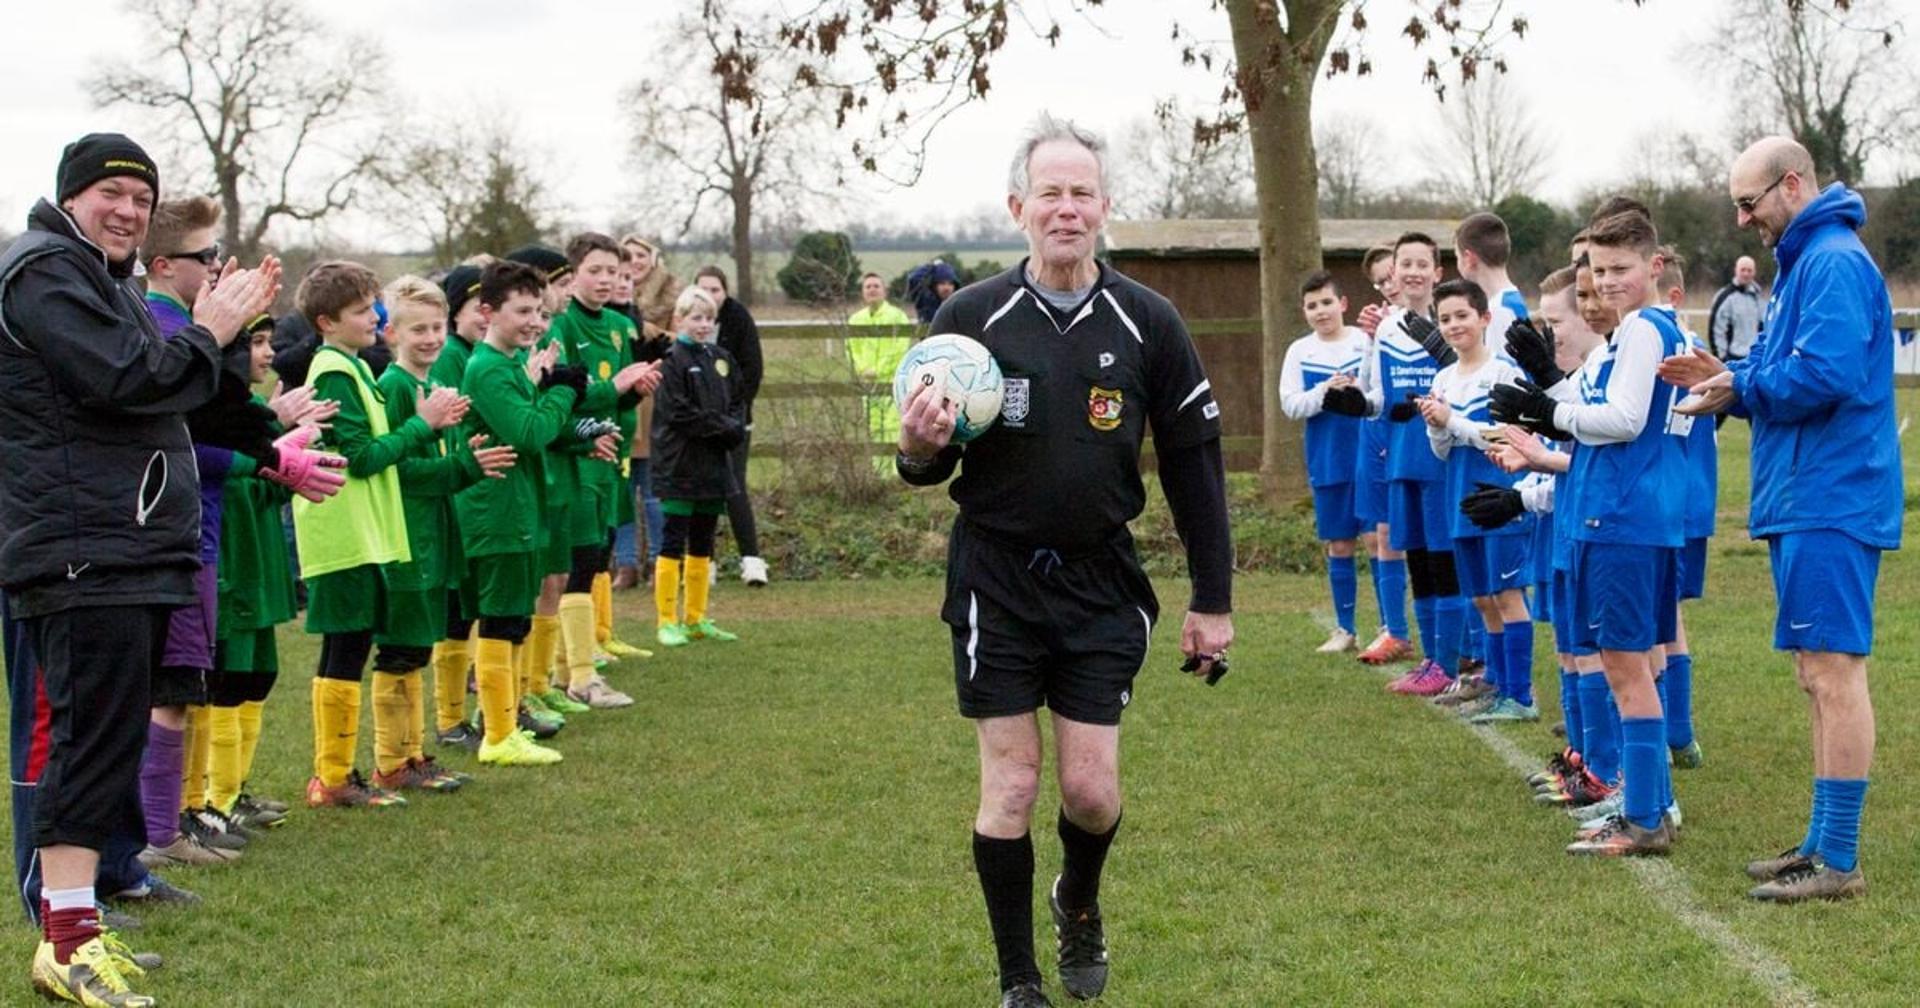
(965, 372)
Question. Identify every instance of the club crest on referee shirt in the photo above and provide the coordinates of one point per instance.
(1103, 408)
(1016, 401)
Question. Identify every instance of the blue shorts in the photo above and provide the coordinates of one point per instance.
(1489, 565)
(1417, 516)
(1333, 516)
(1625, 597)
(1824, 582)
(1563, 636)
(1369, 500)
(1693, 569)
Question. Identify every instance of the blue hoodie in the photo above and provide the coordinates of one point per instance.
(1818, 385)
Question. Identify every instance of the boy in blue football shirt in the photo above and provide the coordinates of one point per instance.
(1386, 566)
(1629, 477)
(1703, 485)
(1492, 563)
(1319, 384)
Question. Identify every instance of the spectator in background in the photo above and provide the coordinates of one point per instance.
(930, 284)
(654, 288)
(740, 338)
(638, 259)
(1734, 320)
(876, 356)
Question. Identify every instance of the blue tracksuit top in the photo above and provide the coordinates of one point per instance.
(1818, 385)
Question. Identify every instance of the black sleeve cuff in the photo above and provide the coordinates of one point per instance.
(932, 472)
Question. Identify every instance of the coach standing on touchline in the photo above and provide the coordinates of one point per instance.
(1827, 493)
(1045, 595)
(99, 511)
(1738, 309)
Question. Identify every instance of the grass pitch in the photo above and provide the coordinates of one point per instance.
(784, 821)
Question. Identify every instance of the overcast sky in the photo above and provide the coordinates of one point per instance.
(557, 66)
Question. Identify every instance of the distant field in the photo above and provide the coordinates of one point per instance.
(888, 263)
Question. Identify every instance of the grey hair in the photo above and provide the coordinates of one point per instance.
(1047, 128)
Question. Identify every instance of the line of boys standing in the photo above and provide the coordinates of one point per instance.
(1474, 523)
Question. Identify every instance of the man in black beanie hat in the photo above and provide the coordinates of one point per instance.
(99, 514)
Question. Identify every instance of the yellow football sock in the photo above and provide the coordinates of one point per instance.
(666, 589)
(697, 587)
(225, 769)
(544, 639)
(336, 728)
(390, 712)
(576, 627)
(603, 607)
(493, 662)
(450, 661)
(249, 736)
(199, 743)
(414, 740)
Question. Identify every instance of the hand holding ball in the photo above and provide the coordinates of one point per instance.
(963, 373)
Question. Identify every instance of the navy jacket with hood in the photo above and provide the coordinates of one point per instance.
(1818, 385)
(99, 504)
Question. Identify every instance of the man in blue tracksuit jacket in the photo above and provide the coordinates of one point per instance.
(1827, 491)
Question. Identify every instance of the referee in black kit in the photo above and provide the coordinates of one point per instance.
(1046, 598)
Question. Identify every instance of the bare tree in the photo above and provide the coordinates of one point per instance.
(465, 189)
(1838, 79)
(1347, 150)
(746, 139)
(1490, 147)
(265, 94)
(1166, 172)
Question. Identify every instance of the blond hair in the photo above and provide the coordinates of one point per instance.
(414, 290)
(692, 297)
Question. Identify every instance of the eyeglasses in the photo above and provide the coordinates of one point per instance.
(206, 257)
(1746, 204)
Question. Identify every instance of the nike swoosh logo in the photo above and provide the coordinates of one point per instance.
(1797, 626)
(1595, 625)
(1507, 574)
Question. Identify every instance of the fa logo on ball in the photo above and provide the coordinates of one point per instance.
(1103, 408)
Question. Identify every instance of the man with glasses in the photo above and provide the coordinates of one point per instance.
(1827, 491)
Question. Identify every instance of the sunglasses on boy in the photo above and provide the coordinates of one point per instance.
(206, 257)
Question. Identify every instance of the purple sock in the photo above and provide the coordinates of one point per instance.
(160, 782)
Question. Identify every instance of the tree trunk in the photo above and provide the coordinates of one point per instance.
(1277, 71)
(743, 243)
(228, 175)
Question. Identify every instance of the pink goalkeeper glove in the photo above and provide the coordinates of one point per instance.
(314, 475)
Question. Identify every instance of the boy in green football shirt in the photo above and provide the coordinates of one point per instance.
(598, 340)
(346, 540)
(430, 475)
(523, 401)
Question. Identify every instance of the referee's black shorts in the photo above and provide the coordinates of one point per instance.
(1034, 627)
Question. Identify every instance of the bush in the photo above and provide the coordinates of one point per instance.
(822, 269)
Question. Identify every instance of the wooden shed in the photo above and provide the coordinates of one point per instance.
(1210, 270)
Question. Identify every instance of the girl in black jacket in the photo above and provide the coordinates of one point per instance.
(698, 415)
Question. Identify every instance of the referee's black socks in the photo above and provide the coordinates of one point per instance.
(1006, 880)
(1086, 856)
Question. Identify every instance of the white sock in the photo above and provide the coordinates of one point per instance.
(68, 899)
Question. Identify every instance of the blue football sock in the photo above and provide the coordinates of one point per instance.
(1643, 757)
(1599, 730)
(1425, 613)
(1391, 583)
(1346, 587)
(1496, 665)
(1476, 643)
(1840, 827)
(1570, 709)
(1449, 631)
(1677, 700)
(1816, 821)
(1517, 643)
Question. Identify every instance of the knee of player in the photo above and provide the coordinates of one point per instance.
(1011, 787)
(1090, 795)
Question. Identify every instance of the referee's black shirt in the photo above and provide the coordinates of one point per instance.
(1060, 469)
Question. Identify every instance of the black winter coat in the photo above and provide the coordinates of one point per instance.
(99, 501)
(740, 336)
(697, 418)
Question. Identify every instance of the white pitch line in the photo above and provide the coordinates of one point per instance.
(1666, 885)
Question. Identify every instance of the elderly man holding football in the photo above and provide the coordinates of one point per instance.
(1046, 598)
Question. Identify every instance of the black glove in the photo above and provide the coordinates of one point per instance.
(1492, 506)
(1347, 400)
(1420, 328)
(1524, 405)
(1403, 411)
(1532, 349)
(562, 374)
(590, 428)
